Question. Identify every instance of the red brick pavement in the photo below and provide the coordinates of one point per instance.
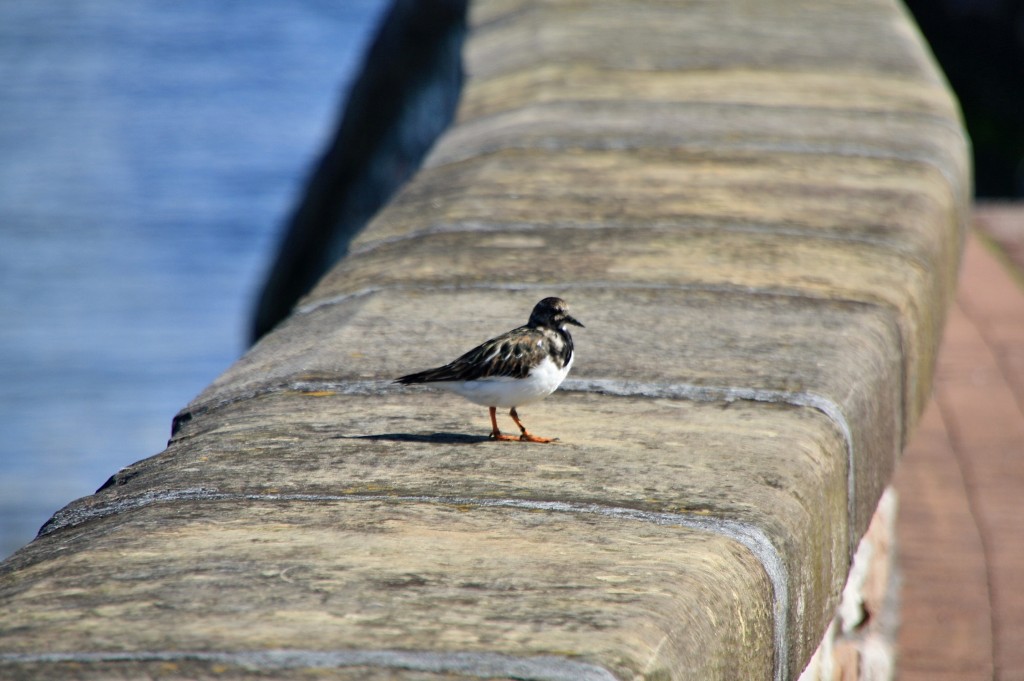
(961, 482)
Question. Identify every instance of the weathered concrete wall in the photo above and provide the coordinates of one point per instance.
(755, 207)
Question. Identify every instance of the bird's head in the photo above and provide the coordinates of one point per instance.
(552, 313)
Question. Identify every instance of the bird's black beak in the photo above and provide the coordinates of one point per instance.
(572, 320)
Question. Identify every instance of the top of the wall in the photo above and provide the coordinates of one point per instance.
(757, 210)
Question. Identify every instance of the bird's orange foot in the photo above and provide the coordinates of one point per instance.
(526, 436)
(496, 435)
(530, 437)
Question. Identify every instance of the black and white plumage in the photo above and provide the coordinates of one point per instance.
(516, 368)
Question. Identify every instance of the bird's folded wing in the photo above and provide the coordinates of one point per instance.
(510, 355)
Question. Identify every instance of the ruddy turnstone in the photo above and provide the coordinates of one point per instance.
(513, 369)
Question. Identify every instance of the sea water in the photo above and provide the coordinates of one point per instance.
(150, 154)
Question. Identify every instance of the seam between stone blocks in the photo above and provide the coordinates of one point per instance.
(890, 312)
(690, 226)
(793, 147)
(616, 388)
(312, 306)
(748, 535)
(710, 393)
(479, 665)
(862, 151)
(700, 393)
(823, 404)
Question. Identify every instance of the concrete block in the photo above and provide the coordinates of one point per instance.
(419, 586)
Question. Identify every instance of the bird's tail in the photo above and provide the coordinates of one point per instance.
(428, 376)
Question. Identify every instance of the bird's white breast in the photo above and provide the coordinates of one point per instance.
(507, 392)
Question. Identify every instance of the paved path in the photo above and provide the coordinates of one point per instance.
(962, 478)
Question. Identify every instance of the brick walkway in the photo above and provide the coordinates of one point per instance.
(961, 483)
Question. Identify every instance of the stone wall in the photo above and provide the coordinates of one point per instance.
(757, 209)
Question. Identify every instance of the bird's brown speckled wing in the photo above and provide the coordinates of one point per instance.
(511, 354)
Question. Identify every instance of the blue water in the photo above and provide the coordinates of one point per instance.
(150, 153)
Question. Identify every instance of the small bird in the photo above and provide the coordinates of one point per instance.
(521, 366)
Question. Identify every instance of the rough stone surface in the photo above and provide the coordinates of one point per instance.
(378, 574)
(757, 210)
(871, 38)
(777, 468)
(188, 668)
(720, 251)
(840, 357)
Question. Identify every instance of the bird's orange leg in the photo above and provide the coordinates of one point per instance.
(495, 433)
(526, 435)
